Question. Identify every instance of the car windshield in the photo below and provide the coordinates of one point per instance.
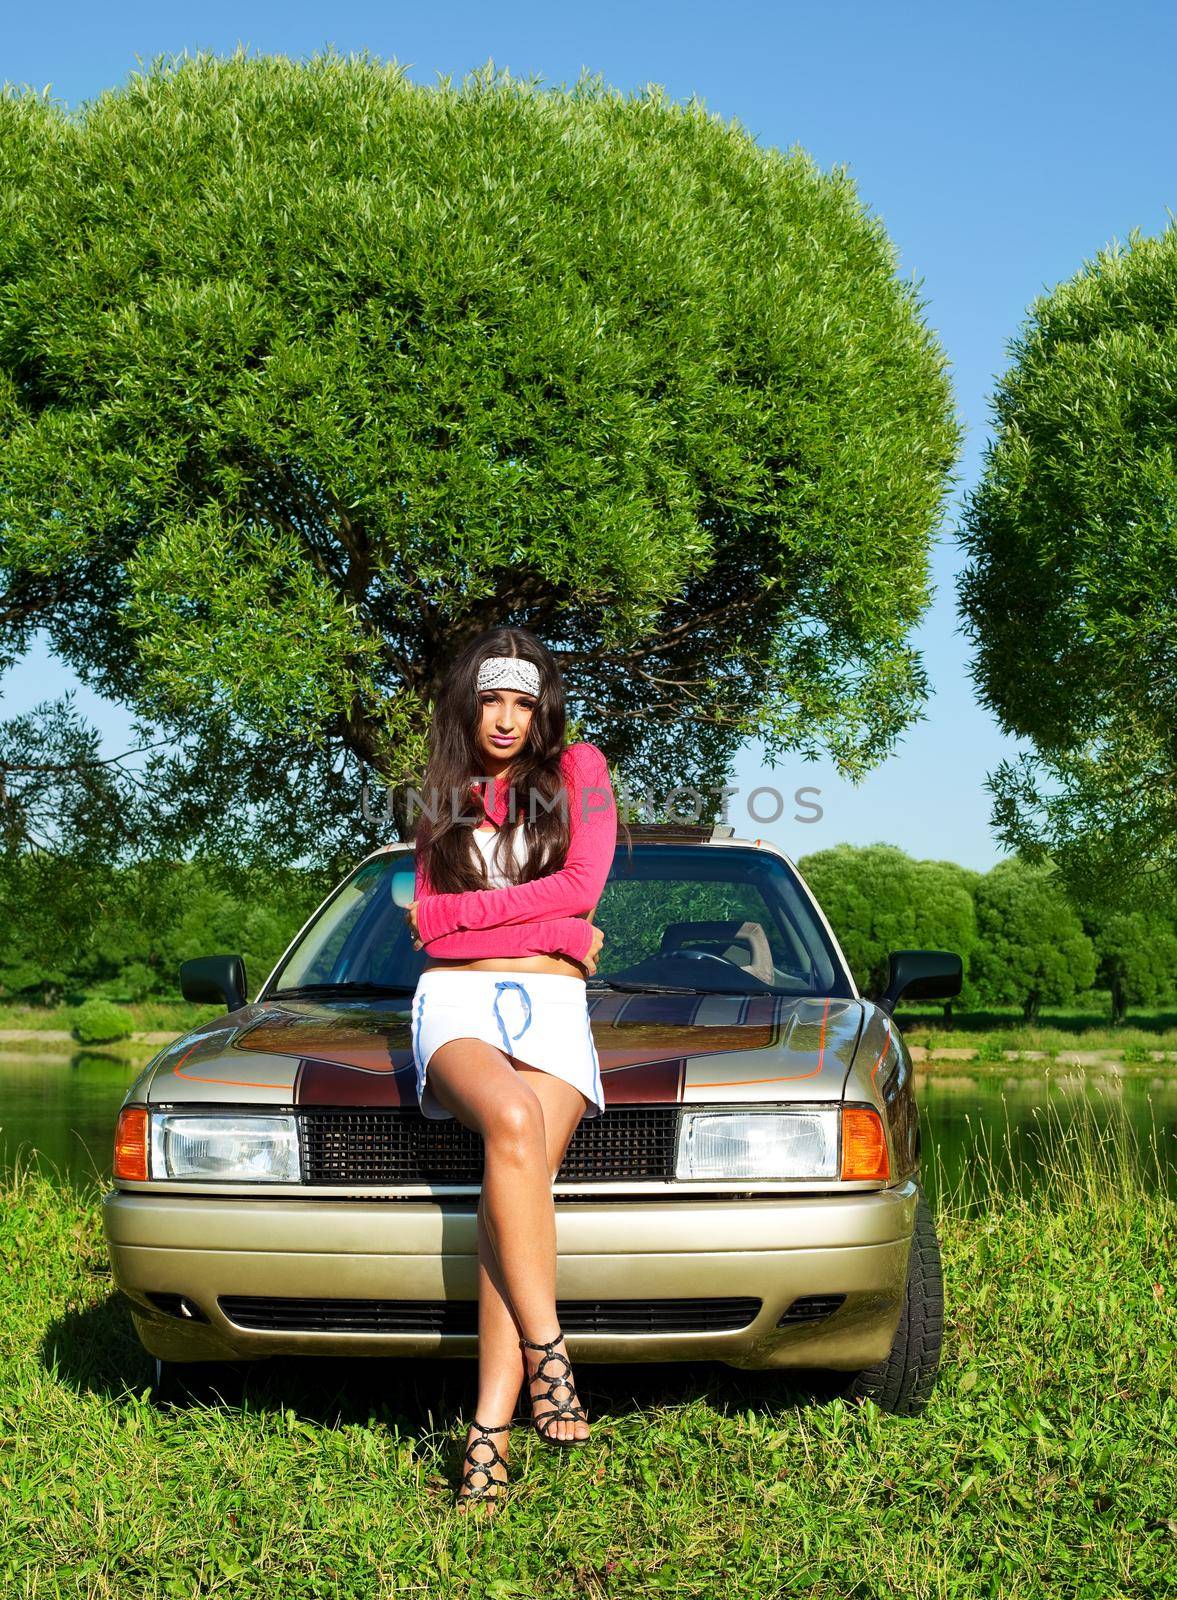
(699, 918)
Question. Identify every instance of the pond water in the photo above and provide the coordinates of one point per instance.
(64, 1108)
(1016, 1122)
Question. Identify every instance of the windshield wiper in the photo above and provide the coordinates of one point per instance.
(649, 988)
(347, 986)
(674, 988)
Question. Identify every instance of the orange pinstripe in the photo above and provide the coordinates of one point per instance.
(793, 1077)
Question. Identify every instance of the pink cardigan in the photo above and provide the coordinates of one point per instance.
(547, 916)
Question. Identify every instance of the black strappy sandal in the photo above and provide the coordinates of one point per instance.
(569, 1408)
(488, 1491)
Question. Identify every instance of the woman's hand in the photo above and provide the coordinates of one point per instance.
(594, 950)
(411, 919)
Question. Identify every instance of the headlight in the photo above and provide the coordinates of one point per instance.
(224, 1149)
(758, 1144)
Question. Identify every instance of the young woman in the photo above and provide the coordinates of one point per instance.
(514, 845)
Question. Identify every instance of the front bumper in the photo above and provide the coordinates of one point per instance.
(774, 1249)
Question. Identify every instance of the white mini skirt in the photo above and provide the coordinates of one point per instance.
(540, 1018)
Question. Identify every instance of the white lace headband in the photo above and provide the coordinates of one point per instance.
(509, 672)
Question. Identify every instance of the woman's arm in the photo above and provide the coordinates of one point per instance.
(570, 892)
(558, 936)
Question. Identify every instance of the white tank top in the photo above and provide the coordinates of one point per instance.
(485, 839)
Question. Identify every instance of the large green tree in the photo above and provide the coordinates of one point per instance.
(1136, 955)
(879, 899)
(1031, 948)
(308, 373)
(1069, 591)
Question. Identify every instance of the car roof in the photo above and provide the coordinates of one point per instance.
(654, 833)
(647, 834)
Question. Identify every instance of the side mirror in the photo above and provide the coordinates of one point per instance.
(921, 975)
(207, 979)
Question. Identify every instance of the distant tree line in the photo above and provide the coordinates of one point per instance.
(121, 933)
(1022, 939)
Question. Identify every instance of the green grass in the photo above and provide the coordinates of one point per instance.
(1053, 1035)
(145, 1016)
(1044, 1464)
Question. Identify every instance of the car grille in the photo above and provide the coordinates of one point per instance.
(810, 1308)
(403, 1147)
(270, 1315)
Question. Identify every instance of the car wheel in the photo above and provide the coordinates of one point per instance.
(208, 1383)
(903, 1382)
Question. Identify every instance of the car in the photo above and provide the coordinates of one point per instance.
(750, 1195)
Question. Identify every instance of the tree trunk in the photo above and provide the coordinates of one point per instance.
(406, 826)
(1119, 1003)
(1030, 1008)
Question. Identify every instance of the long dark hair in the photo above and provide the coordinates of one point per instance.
(450, 856)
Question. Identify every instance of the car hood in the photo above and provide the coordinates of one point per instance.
(653, 1049)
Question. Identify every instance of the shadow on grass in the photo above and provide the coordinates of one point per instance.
(98, 1351)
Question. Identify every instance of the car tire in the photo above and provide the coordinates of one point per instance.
(207, 1383)
(903, 1383)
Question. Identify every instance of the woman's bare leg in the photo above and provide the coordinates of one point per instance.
(526, 1119)
(477, 1084)
(563, 1106)
(501, 1368)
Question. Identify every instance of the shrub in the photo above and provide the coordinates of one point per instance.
(100, 1022)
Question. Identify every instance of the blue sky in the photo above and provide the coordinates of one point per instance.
(1002, 145)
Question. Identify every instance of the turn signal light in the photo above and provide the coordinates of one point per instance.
(864, 1144)
(130, 1144)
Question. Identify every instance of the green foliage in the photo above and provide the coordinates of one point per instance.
(131, 983)
(121, 935)
(878, 899)
(100, 1022)
(212, 918)
(23, 975)
(309, 372)
(1071, 537)
(1031, 946)
(1022, 939)
(1136, 955)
